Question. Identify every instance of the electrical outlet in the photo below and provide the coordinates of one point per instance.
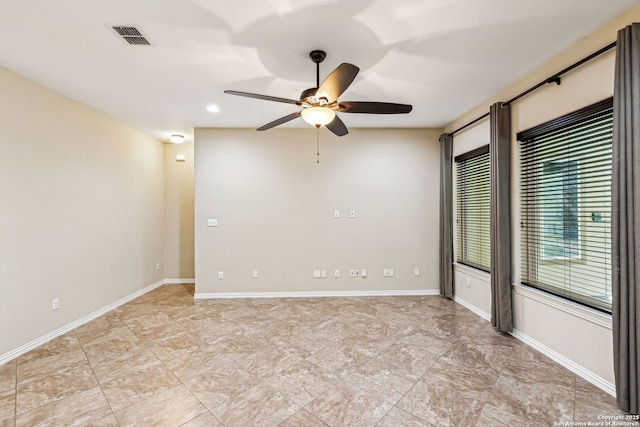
(55, 304)
(254, 274)
(468, 282)
(352, 273)
(336, 273)
(336, 214)
(357, 273)
(220, 275)
(157, 265)
(416, 271)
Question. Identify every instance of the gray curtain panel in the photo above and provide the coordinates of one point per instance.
(625, 218)
(446, 216)
(500, 217)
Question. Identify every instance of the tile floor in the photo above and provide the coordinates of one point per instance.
(167, 360)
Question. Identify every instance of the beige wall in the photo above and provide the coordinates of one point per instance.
(579, 337)
(275, 205)
(81, 215)
(178, 211)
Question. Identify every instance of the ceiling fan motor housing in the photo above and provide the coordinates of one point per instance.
(308, 93)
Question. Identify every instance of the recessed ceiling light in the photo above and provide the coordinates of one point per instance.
(213, 108)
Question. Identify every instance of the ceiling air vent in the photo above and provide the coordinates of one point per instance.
(131, 35)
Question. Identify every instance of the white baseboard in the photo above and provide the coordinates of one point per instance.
(178, 281)
(70, 326)
(473, 308)
(308, 294)
(594, 379)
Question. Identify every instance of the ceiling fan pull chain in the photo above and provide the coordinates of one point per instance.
(317, 144)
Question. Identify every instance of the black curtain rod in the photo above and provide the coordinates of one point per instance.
(553, 79)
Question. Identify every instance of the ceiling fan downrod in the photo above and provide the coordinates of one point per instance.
(317, 56)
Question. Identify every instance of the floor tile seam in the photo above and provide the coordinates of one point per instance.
(484, 403)
(57, 373)
(166, 367)
(113, 413)
(51, 402)
(362, 389)
(39, 360)
(230, 396)
(37, 379)
(308, 412)
(150, 396)
(203, 405)
(467, 365)
(109, 379)
(15, 395)
(493, 387)
(414, 384)
(386, 413)
(98, 381)
(575, 396)
(264, 384)
(426, 423)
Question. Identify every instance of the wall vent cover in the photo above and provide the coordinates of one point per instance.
(131, 35)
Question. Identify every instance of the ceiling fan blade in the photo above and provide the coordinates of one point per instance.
(263, 97)
(338, 81)
(280, 121)
(374, 107)
(337, 126)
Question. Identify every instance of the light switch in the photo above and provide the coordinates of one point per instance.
(180, 158)
(254, 274)
(212, 222)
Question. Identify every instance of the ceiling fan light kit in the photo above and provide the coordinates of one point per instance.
(318, 116)
(320, 104)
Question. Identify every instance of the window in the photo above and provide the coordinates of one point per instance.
(473, 204)
(565, 186)
(559, 208)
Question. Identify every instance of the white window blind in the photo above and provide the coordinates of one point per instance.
(473, 192)
(566, 206)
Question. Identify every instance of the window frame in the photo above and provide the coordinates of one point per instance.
(531, 221)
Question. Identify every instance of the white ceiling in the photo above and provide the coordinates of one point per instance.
(442, 56)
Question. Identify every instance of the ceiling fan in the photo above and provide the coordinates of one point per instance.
(320, 104)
